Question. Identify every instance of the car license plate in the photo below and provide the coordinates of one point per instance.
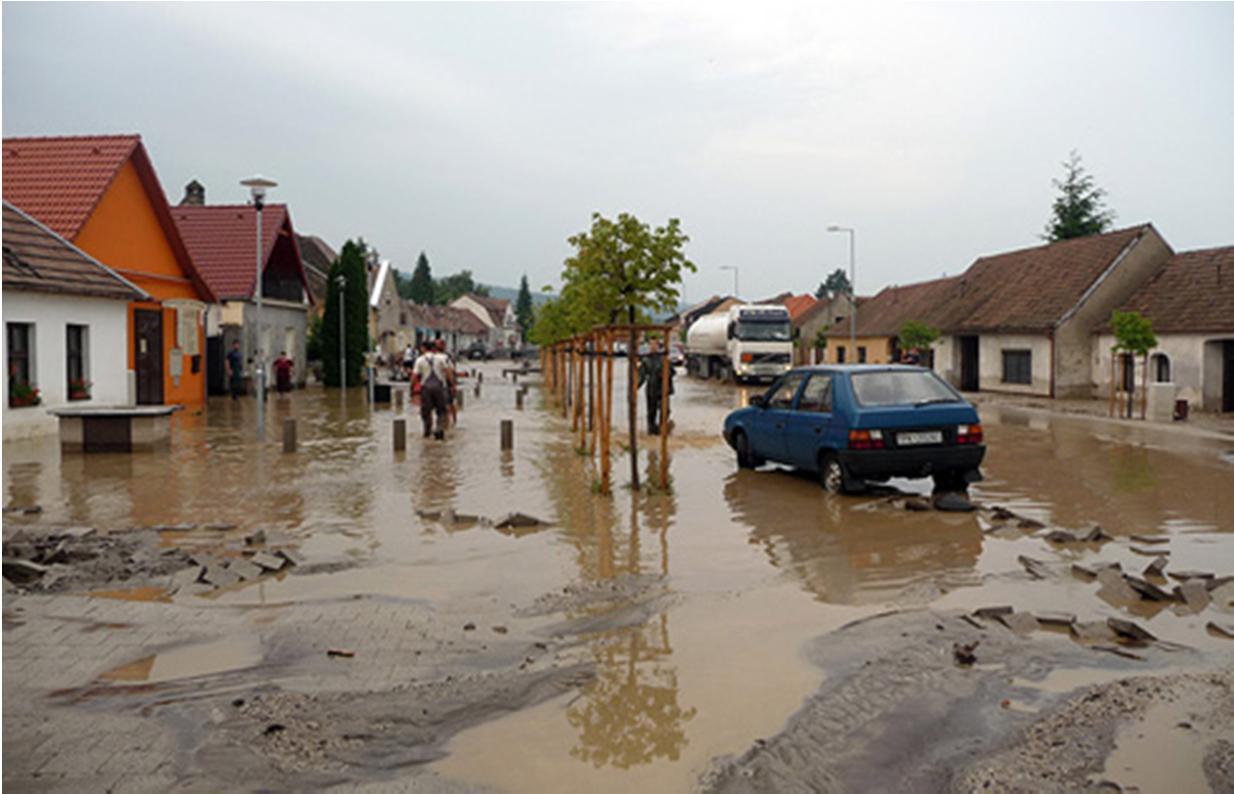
(913, 439)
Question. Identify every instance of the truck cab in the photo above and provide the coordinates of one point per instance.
(749, 342)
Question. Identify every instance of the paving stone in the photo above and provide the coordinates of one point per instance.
(245, 569)
(1036, 568)
(271, 562)
(1147, 589)
(1054, 618)
(1092, 570)
(1021, 623)
(220, 576)
(1156, 567)
(993, 613)
(1092, 631)
(1193, 593)
(1129, 629)
(1150, 539)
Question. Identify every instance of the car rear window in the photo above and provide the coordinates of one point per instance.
(901, 388)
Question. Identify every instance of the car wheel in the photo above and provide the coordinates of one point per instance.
(831, 474)
(745, 458)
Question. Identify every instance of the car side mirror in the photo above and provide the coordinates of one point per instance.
(758, 401)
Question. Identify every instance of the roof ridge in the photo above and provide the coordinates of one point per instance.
(1068, 242)
(106, 136)
(195, 207)
(1200, 251)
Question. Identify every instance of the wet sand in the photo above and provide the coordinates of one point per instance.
(685, 626)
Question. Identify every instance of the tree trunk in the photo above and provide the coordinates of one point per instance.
(632, 394)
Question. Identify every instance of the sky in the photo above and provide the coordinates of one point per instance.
(487, 134)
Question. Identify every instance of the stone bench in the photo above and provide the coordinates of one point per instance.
(114, 428)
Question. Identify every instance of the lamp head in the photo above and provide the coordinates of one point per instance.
(258, 185)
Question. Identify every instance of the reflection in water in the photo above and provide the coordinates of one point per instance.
(1133, 473)
(630, 714)
(843, 553)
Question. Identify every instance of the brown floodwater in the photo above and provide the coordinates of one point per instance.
(755, 563)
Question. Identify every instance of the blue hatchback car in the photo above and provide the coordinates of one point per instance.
(859, 422)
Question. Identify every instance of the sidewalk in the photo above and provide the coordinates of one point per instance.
(1200, 424)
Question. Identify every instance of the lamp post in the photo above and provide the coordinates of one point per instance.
(341, 280)
(852, 284)
(736, 291)
(257, 186)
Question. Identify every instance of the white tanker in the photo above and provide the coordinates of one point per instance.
(750, 342)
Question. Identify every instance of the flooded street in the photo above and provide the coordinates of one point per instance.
(634, 641)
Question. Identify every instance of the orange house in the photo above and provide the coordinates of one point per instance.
(101, 192)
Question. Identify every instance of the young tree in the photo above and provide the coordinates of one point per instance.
(421, 289)
(524, 309)
(620, 269)
(1133, 335)
(349, 268)
(836, 284)
(917, 335)
(1079, 209)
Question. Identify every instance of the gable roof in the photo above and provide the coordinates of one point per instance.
(1033, 289)
(383, 273)
(885, 313)
(60, 181)
(445, 318)
(496, 307)
(222, 239)
(1193, 293)
(39, 260)
(316, 252)
(798, 304)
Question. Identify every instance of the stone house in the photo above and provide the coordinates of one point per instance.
(66, 327)
(497, 314)
(821, 316)
(881, 317)
(317, 257)
(388, 317)
(1023, 322)
(101, 193)
(460, 327)
(222, 239)
(1191, 304)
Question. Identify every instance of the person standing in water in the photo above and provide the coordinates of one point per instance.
(651, 373)
(235, 363)
(433, 372)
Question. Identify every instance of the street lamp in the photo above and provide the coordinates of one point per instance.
(257, 186)
(736, 292)
(341, 280)
(852, 284)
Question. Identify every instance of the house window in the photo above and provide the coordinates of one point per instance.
(77, 371)
(1161, 368)
(21, 365)
(840, 352)
(1018, 366)
(186, 330)
(861, 355)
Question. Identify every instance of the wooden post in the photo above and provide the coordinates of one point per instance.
(289, 435)
(591, 392)
(606, 463)
(400, 435)
(518, 400)
(1144, 390)
(507, 434)
(1113, 379)
(398, 399)
(632, 398)
(665, 374)
(574, 386)
(459, 394)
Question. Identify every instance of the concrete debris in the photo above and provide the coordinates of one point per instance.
(1147, 589)
(970, 621)
(1021, 623)
(993, 613)
(1001, 513)
(1156, 567)
(245, 569)
(22, 571)
(952, 502)
(1060, 536)
(518, 520)
(1054, 618)
(1092, 570)
(1150, 540)
(258, 538)
(270, 562)
(1092, 631)
(220, 576)
(74, 533)
(31, 510)
(1030, 523)
(1130, 630)
(1219, 582)
(1117, 651)
(1220, 629)
(963, 653)
(1193, 593)
(292, 557)
(1036, 568)
(1094, 535)
(916, 504)
(1182, 576)
(343, 653)
(1150, 552)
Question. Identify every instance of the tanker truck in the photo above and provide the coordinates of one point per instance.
(750, 342)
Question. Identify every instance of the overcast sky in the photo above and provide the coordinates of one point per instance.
(487, 134)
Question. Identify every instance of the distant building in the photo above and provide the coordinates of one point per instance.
(388, 318)
(497, 314)
(460, 328)
(66, 326)
(316, 256)
(101, 193)
(881, 317)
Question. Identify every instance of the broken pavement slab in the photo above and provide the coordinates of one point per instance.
(1048, 618)
(1182, 576)
(22, 571)
(1021, 623)
(1147, 589)
(1092, 631)
(220, 576)
(1193, 593)
(1035, 568)
(270, 562)
(1129, 630)
(993, 613)
(1225, 630)
(292, 557)
(1093, 570)
(1156, 567)
(1150, 552)
(1151, 540)
(519, 521)
(245, 569)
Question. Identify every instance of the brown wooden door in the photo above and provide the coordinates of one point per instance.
(970, 364)
(148, 353)
(1227, 385)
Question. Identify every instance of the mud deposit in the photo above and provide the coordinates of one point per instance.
(244, 619)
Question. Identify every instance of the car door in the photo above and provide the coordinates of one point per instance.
(806, 426)
(768, 437)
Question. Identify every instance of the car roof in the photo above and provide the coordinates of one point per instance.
(854, 368)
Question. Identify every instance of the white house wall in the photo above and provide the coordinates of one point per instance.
(106, 354)
(990, 362)
(1195, 366)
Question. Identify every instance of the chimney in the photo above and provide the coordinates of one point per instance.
(194, 194)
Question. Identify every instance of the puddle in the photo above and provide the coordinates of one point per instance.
(1157, 755)
(190, 661)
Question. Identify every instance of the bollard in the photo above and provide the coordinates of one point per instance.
(459, 394)
(289, 435)
(398, 399)
(518, 399)
(400, 435)
(507, 434)
(477, 391)
(480, 377)
(514, 375)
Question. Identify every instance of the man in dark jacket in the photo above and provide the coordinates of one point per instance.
(651, 373)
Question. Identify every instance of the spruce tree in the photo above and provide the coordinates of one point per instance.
(422, 282)
(349, 268)
(524, 310)
(1079, 210)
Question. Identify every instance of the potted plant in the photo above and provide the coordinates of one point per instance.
(22, 394)
(79, 389)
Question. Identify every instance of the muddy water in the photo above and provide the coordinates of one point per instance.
(753, 564)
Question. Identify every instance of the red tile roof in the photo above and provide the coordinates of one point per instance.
(39, 260)
(885, 313)
(221, 238)
(60, 180)
(1193, 293)
(445, 318)
(1033, 288)
(798, 304)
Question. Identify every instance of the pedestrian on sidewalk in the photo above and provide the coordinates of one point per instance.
(282, 372)
(651, 373)
(433, 372)
(235, 364)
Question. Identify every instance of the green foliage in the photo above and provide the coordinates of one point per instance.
(524, 309)
(421, 288)
(313, 347)
(451, 288)
(1079, 210)
(1133, 332)
(820, 338)
(350, 267)
(837, 283)
(917, 335)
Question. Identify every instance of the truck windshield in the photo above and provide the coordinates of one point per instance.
(763, 330)
(902, 388)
